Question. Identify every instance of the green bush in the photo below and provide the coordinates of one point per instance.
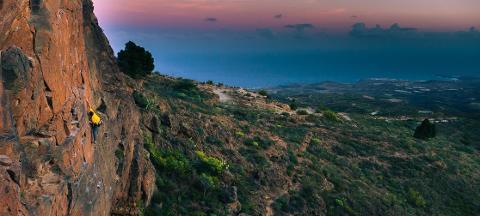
(208, 182)
(210, 164)
(321, 109)
(170, 161)
(142, 101)
(239, 134)
(185, 86)
(263, 92)
(293, 106)
(331, 116)
(257, 141)
(302, 112)
(416, 198)
(135, 61)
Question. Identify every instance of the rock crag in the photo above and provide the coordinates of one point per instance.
(55, 62)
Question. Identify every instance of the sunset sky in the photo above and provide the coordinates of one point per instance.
(330, 14)
(229, 40)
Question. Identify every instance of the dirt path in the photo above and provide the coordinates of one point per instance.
(224, 97)
(290, 185)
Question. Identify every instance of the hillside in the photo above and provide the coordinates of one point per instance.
(265, 159)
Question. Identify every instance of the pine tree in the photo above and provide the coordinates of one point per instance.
(135, 61)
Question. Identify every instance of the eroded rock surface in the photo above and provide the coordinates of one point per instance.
(55, 62)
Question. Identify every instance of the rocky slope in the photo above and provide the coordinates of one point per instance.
(219, 150)
(56, 62)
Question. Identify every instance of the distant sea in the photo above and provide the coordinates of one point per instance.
(267, 70)
(253, 62)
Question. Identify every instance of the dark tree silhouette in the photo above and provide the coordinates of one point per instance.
(425, 131)
(135, 61)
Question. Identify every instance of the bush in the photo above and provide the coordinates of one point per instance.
(210, 164)
(331, 116)
(416, 198)
(142, 101)
(208, 182)
(257, 141)
(321, 109)
(135, 61)
(263, 92)
(302, 112)
(169, 161)
(293, 106)
(425, 131)
(185, 85)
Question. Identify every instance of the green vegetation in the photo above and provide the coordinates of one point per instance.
(135, 61)
(259, 142)
(263, 92)
(211, 164)
(302, 112)
(210, 157)
(426, 130)
(331, 116)
(416, 198)
(293, 105)
(142, 101)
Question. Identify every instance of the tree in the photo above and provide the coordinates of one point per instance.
(425, 131)
(135, 61)
(293, 106)
(263, 92)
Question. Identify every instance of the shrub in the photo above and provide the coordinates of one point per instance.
(416, 198)
(211, 164)
(263, 92)
(331, 116)
(213, 140)
(239, 134)
(257, 141)
(135, 61)
(185, 85)
(208, 182)
(210, 82)
(321, 109)
(142, 101)
(425, 131)
(170, 161)
(293, 106)
(302, 112)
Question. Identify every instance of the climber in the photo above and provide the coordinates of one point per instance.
(95, 122)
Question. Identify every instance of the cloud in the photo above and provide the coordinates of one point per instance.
(362, 31)
(211, 19)
(278, 16)
(300, 27)
(266, 33)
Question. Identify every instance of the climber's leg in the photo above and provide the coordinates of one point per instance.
(94, 133)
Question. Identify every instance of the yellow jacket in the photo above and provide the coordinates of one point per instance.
(95, 119)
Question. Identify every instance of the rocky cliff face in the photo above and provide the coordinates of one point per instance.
(55, 62)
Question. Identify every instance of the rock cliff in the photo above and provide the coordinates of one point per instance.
(55, 62)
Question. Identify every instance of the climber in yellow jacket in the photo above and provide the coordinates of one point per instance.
(95, 122)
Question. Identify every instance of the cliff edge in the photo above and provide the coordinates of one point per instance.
(55, 62)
